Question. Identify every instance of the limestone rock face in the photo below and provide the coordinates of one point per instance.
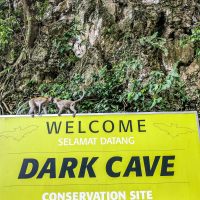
(177, 53)
(191, 76)
(83, 36)
(150, 1)
(39, 54)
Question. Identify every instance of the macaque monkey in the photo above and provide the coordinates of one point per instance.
(68, 105)
(39, 102)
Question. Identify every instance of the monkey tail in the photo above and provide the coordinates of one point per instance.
(78, 100)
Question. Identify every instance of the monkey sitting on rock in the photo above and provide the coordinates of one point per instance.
(68, 105)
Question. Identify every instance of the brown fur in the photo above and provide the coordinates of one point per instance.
(68, 105)
(39, 102)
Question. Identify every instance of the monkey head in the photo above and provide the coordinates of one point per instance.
(55, 100)
(50, 99)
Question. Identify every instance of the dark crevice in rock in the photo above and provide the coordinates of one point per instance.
(172, 36)
(160, 25)
(187, 30)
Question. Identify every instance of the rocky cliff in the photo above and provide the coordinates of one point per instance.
(130, 55)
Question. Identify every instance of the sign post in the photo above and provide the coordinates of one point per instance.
(123, 156)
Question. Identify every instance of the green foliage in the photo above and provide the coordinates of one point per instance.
(194, 38)
(158, 93)
(63, 44)
(62, 90)
(6, 31)
(112, 31)
(31, 83)
(58, 90)
(155, 42)
(119, 90)
(42, 8)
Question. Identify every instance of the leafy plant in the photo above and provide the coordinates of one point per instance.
(155, 42)
(31, 83)
(158, 93)
(121, 89)
(42, 8)
(63, 43)
(194, 38)
(6, 31)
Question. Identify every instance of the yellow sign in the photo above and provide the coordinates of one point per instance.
(100, 157)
